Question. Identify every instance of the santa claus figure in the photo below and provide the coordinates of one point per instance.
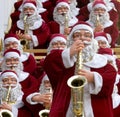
(108, 53)
(99, 19)
(28, 60)
(99, 75)
(63, 18)
(19, 6)
(103, 39)
(11, 93)
(12, 61)
(40, 99)
(31, 27)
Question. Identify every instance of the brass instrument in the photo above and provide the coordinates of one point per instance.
(8, 94)
(97, 20)
(45, 112)
(5, 112)
(25, 42)
(77, 83)
(66, 22)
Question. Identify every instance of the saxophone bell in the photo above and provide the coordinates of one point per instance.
(44, 113)
(5, 113)
(77, 83)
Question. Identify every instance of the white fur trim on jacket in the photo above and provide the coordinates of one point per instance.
(29, 99)
(67, 61)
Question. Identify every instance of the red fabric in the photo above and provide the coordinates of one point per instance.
(113, 31)
(61, 97)
(24, 112)
(37, 107)
(117, 111)
(30, 65)
(42, 34)
(29, 84)
(82, 3)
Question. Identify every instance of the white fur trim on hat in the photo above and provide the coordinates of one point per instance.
(62, 4)
(6, 74)
(100, 6)
(98, 38)
(12, 54)
(55, 39)
(29, 5)
(79, 27)
(11, 39)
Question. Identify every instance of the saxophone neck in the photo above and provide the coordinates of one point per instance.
(8, 94)
(26, 26)
(97, 20)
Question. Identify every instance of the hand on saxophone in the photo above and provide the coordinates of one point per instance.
(42, 98)
(88, 75)
(23, 36)
(99, 28)
(67, 31)
(4, 105)
(76, 47)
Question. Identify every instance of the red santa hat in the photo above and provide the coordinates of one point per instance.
(103, 37)
(7, 73)
(80, 25)
(99, 4)
(54, 38)
(11, 38)
(107, 52)
(58, 37)
(62, 3)
(12, 53)
(29, 3)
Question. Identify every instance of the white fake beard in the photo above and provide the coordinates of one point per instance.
(60, 18)
(14, 93)
(31, 19)
(87, 53)
(104, 18)
(44, 90)
(17, 68)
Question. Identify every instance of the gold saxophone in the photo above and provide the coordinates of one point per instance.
(5, 112)
(66, 22)
(25, 42)
(45, 112)
(97, 20)
(77, 83)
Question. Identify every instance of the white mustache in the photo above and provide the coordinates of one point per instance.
(13, 65)
(86, 42)
(5, 85)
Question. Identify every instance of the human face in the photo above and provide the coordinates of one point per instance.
(29, 11)
(13, 45)
(9, 80)
(99, 11)
(58, 45)
(83, 35)
(62, 9)
(47, 84)
(102, 44)
(12, 61)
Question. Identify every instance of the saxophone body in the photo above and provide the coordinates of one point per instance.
(77, 83)
(45, 112)
(97, 20)
(5, 112)
(25, 42)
